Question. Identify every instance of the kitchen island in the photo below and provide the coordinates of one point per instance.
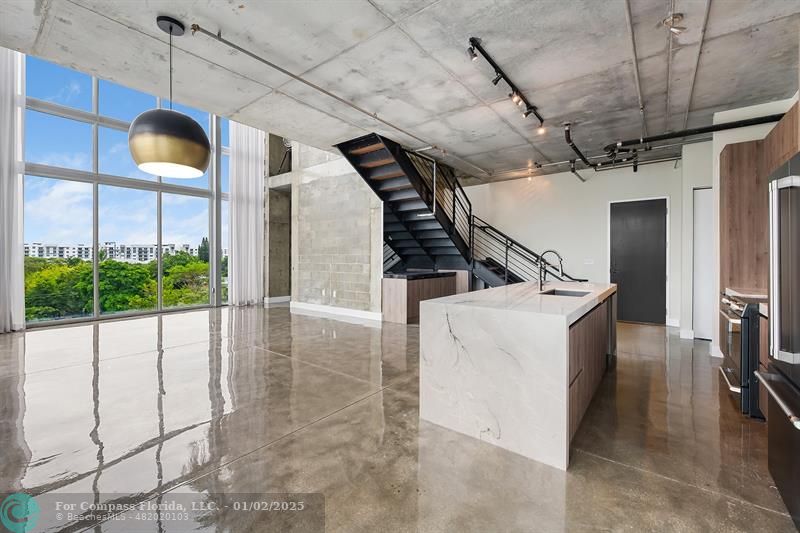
(515, 366)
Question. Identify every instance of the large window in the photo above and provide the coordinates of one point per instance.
(58, 249)
(102, 237)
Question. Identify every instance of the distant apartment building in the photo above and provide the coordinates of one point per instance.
(128, 253)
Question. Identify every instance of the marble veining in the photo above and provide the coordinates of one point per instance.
(495, 365)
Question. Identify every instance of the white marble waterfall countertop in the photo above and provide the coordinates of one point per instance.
(526, 298)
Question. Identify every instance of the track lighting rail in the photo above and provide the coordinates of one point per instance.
(516, 95)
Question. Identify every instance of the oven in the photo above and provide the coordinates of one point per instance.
(741, 319)
(730, 314)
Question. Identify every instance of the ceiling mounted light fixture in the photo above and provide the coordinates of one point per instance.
(541, 130)
(670, 22)
(164, 142)
(475, 48)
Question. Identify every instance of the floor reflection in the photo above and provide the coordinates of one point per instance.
(247, 400)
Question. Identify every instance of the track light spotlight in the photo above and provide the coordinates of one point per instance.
(497, 78)
(541, 129)
(527, 112)
(515, 97)
(472, 55)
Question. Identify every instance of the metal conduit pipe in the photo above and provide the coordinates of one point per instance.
(613, 147)
(575, 149)
(604, 156)
(634, 55)
(636, 163)
(218, 37)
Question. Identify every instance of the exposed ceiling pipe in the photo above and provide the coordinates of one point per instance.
(568, 138)
(635, 56)
(613, 147)
(696, 63)
(218, 37)
(575, 172)
(669, 68)
(636, 163)
(604, 166)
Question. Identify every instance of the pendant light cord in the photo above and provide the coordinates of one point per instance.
(170, 67)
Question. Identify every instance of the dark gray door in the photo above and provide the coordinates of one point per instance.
(639, 260)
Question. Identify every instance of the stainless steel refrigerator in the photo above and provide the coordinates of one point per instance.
(783, 379)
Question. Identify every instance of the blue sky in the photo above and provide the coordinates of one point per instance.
(58, 211)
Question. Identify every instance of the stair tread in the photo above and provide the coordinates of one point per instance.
(378, 176)
(377, 163)
(366, 149)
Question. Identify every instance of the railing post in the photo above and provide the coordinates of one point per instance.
(453, 192)
(506, 266)
(471, 236)
(434, 187)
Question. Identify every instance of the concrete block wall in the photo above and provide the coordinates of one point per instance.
(280, 245)
(336, 227)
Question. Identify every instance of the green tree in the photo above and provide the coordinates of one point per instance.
(170, 261)
(202, 250)
(126, 286)
(57, 288)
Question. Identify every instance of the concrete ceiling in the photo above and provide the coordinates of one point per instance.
(406, 61)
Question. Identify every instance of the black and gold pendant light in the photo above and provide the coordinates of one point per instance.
(165, 142)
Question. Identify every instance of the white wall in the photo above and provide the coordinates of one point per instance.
(697, 173)
(719, 141)
(560, 212)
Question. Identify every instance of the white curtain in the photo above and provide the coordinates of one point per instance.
(12, 120)
(247, 171)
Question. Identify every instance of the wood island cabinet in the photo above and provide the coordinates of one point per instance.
(588, 349)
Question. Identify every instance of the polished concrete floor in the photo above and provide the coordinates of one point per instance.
(262, 401)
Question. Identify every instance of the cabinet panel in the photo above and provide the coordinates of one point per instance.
(782, 142)
(588, 344)
(744, 218)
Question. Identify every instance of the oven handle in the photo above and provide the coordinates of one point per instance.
(726, 316)
(794, 419)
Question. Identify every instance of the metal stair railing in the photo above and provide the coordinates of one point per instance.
(515, 257)
(390, 257)
(447, 197)
(476, 239)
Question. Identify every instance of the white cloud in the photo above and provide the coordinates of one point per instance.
(58, 211)
(67, 93)
(77, 160)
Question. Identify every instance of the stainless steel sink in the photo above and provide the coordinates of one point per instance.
(564, 292)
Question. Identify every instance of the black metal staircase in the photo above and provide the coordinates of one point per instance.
(428, 221)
